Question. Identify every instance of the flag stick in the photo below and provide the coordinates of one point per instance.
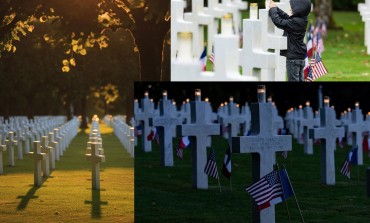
(219, 185)
(286, 203)
(300, 212)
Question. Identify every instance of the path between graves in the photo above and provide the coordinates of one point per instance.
(66, 196)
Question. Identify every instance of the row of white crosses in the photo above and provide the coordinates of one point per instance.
(328, 129)
(24, 135)
(260, 36)
(44, 153)
(364, 9)
(95, 152)
(125, 134)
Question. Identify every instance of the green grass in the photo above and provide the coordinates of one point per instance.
(345, 54)
(165, 194)
(66, 196)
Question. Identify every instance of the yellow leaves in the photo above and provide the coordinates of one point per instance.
(75, 48)
(83, 52)
(43, 18)
(104, 19)
(46, 37)
(8, 19)
(65, 62)
(52, 10)
(68, 51)
(30, 28)
(14, 49)
(65, 69)
(72, 61)
(8, 46)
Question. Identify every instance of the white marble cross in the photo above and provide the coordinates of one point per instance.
(356, 127)
(147, 112)
(59, 150)
(48, 154)
(54, 145)
(308, 122)
(328, 133)
(19, 139)
(263, 143)
(10, 143)
(198, 131)
(95, 159)
(166, 122)
(2, 149)
(38, 157)
(233, 120)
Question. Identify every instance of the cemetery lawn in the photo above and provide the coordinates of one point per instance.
(66, 196)
(166, 194)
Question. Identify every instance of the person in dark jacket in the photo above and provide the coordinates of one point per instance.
(294, 27)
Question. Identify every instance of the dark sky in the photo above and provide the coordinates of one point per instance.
(285, 94)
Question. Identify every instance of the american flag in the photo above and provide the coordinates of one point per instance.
(308, 55)
(211, 168)
(183, 143)
(226, 167)
(319, 69)
(212, 58)
(267, 191)
(346, 168)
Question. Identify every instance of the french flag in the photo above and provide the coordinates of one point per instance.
(153, 135)
(184, 142)
(203, 59)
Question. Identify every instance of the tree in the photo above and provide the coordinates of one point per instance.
(324, 10)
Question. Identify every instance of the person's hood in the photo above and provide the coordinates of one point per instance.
(300, 7)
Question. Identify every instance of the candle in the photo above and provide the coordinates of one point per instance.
(164, 94)
(253, 12)
(326, 101)
(261, 91)
(231, 99)
(185, 46)
(146, 94)
(307, 103)
(227, 24)
(198, 94)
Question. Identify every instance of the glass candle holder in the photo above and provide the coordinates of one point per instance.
(253, 11)
(227, 24)
(185, 46)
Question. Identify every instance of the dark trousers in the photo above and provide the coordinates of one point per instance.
(294, 69)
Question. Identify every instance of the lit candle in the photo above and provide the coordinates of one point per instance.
(187, 100)
(307, 103)
(300, 106)
(269, 99)
(206, 99)
(326, 101)
(198, 94)
(231, 99)
(253, 12)
(261, 91)
(185, 46)
(357, 105)
(227, 24)
(349, 109)
(146, 94)
(164, 94)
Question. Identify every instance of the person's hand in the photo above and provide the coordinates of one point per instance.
(272, 4)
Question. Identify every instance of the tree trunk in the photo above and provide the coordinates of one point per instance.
(324, 10)
(83, 113)
(149, 37)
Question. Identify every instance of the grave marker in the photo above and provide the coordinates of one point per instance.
(263, 143)
(198, 131)
(95, 159)
(328, 133)
(10, 143)
(37, 157)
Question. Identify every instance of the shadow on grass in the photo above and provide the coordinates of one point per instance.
(26, 198)
(95, 204)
